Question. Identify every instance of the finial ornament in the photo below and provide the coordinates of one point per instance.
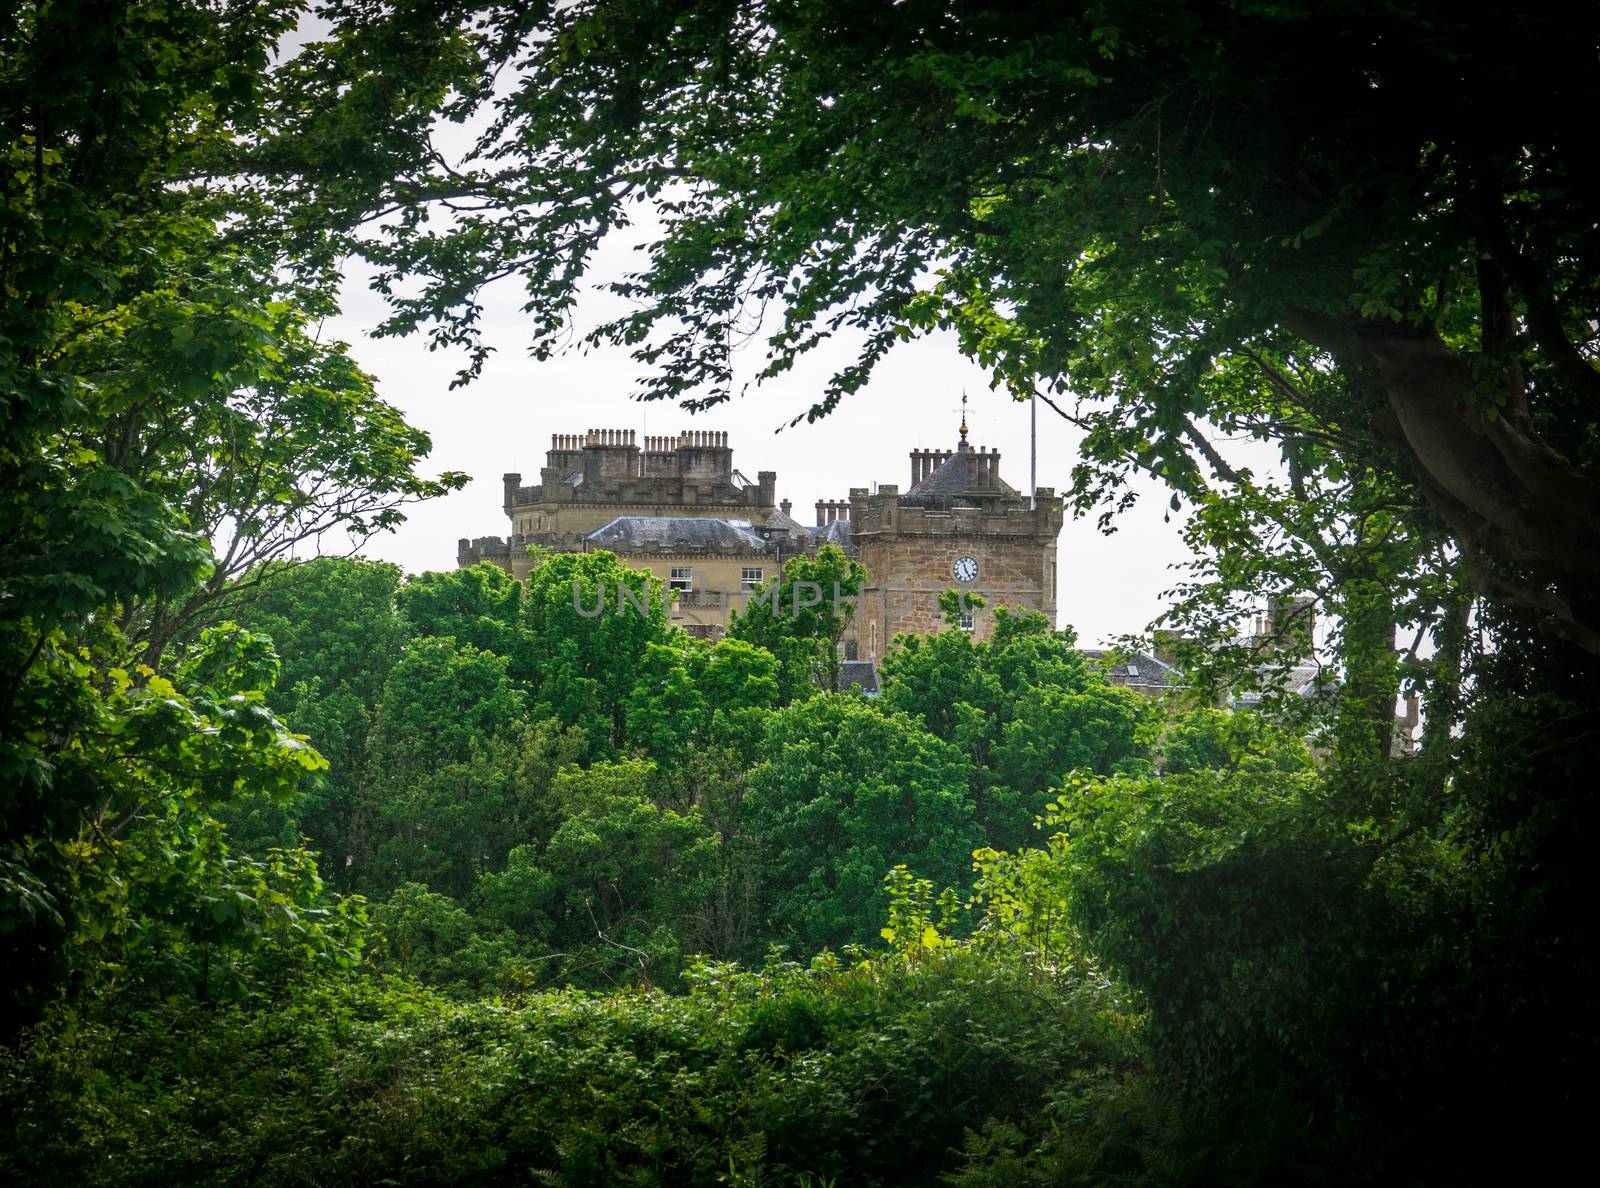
(963, 414)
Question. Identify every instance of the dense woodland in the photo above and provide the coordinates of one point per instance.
(315, 872)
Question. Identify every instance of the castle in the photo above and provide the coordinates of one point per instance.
(679, 508)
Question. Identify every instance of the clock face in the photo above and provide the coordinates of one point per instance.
(965, 569)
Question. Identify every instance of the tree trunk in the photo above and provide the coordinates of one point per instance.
(1370, 678)
(1524, 513)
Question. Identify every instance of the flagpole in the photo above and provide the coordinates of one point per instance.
(1033, 449)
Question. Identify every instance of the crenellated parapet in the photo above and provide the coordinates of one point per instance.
(483, 548)
(889, 514)
(955, 492)
(611, 466)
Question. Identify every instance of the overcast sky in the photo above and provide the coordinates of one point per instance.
(1108, 585)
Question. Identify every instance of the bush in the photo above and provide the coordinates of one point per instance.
(873, 1074)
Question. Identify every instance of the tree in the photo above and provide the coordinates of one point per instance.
(219, 398)
(1052, 733)
(616, 894)
(169, 420)
(447, 824)
(848, 792)
(801, 615)
(440, 703)
(481, 606)
(589, 621)
(431, 937)
(333, 621)
(699, 712)
(1024, 705)
(1129, 201)
(432, 783)
(150, 758)
(1210, 739)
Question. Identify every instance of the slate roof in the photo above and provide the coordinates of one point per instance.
(669, 534)
(837, 533)
(778, 522)
(1138, 669)
(1306, 680)
(859, 672)
(951, 479)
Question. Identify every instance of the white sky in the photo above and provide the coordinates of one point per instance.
(1109, 585)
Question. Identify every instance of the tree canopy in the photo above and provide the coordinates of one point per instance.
(1263, 217)
(1245, 945)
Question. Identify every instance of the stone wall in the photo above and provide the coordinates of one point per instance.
(910, 554)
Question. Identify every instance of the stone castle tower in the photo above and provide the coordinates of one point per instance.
(958, 525)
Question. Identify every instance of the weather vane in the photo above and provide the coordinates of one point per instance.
(963, 414)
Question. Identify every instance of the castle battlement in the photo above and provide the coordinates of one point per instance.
(608, 466)
(483, 548)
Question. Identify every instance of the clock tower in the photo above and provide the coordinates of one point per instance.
(958, 525)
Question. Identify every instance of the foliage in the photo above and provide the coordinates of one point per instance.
(589, 621)
(848, 792)
(1024, 705)
(429, 936)
(188, 917)
(333, 622)
(441, 702)
(1219, 740)
(619, 889)
(139, 746)
(445, 823)
(170, 420)
(801, 615)
(699, 710)
(1293, 963)
(481, 606)
(784, 1075)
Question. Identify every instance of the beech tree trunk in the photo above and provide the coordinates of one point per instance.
(1527, 521)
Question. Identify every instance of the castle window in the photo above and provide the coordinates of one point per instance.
(682, 578)
(751, 577)
(969, 621)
